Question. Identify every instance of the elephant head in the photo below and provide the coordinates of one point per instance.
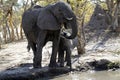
(53, 16)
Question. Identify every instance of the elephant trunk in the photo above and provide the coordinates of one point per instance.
(73, 25)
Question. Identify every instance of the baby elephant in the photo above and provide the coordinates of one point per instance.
(65, 48)
(64, 52)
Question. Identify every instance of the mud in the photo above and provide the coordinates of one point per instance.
(15, 60)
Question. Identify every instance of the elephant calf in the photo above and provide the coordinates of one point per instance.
(65, 48)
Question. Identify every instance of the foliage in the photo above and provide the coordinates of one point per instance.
(11, 11)
(113, 10)
(115, 64)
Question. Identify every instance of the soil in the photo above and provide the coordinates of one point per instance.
(102, 52)
(15, 54)
(100, 55)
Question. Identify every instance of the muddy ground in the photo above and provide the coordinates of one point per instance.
(101, 54)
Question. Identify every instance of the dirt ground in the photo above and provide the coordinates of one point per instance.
(15, 59)
(15, 54)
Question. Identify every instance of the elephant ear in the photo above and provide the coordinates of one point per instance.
(47, 21)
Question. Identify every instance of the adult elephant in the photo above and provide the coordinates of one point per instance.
(41, 25)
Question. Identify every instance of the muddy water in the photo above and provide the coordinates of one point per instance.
(91, 75)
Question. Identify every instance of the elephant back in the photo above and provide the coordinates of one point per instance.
(47, 21)
(29, 19)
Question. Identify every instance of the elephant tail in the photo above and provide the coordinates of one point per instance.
(28, 48)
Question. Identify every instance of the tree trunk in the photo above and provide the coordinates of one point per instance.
(5, 34)
(0, 42)
(8, 29)
(16, 30)
(11, 25)
(21, 34)
(25, 7)
(110, 5)
(81, 39)
(12, 29)
(114, 12)
(81, 36)
(115, 18)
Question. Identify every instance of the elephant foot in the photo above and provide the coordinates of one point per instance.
(36, 66)
(62, 64)
(69, 65)
(53, 65)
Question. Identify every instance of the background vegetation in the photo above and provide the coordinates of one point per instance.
(11, 11)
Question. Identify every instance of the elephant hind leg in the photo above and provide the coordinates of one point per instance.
(28, 47)
(33, 46)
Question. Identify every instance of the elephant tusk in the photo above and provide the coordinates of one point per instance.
(69, 18)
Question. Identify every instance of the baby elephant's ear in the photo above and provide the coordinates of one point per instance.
(47, 21)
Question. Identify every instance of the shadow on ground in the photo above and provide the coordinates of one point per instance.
(26, 72)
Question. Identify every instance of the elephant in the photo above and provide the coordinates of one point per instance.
(65, 49)
(41, 25)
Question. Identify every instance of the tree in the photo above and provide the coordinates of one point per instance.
(7, 19)
(81, 8)
(0, 43)
(113, 11)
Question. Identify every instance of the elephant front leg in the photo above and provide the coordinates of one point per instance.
(37, 58)
(38, 55)
(61, 56)
(54, 52)
(68, 57)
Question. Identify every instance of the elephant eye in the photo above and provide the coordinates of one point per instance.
(59, 10)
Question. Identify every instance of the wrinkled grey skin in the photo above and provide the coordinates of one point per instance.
(41, 25)
(65, 46)
(65, 49)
